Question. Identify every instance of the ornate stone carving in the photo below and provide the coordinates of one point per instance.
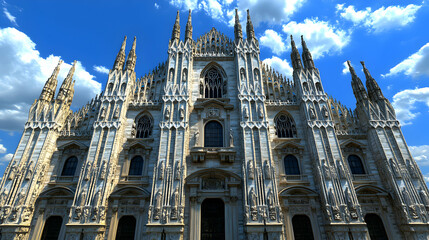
(161, 170)
(250, 169)
(267, 170)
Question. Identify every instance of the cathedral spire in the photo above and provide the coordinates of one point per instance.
(249, 27)
(120, 58)
(50, 87)
(306, 55)
(176, 28)
(67, 84)
(188, 31)
(238, 33)
(296, 59)
(374, 90)
(357, 85)
(131, 59)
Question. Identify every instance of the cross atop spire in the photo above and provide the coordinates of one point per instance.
(249, 27)
(176, 28)
(188, 31)
(238, 33)
(120, 58)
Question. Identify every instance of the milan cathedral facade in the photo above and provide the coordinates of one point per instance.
(213, 144)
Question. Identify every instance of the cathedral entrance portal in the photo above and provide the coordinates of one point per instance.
(213, 219)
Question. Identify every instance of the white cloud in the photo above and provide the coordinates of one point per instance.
(271, 11)
(101, 69)
(6, 159)
(415, 65)
(345, 68)
(273, 41)
(9, 16)
(420, 154)
(404, 103)
(2, 149)
(156, 6)
(23, 73)
(321, 37)
(381, 19)
(282, 66)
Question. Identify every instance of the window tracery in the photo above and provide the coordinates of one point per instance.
(213, 84)
(285, 126)
(144, 127)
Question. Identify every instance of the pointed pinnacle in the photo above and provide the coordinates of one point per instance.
(71, 72)
(304, 45)
(365, 70)
(134, 44)
(190, 17)
(351, 69)
(177, 18)
(57, 69)
(124, 43)
(292, 42)
(237, 20)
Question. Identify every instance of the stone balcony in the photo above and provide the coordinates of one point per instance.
(224, 154)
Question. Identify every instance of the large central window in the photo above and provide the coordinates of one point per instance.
(285, 126)
(213, 134)
(213, 84)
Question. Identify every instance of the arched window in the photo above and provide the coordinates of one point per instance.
(144, 127)
(285, 126)
(213, 84)
(136, 166)
(69, 166)
(213, 134)
(318, 87)
(291, 165)
(356, 165)
(375, 227)
(126, 228)
(302, 228)
(51, 230)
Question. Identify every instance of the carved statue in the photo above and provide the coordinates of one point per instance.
(326, 170)
(424, 196)
(406, 197)
(202, 89)
(394, 167)
(341, 169)
(88, 171)
(97, 198)
(197, 138)
(242, 75)
(20, 197)
(245, 111)
(161, 170)
(12, 172)
(267, 170)
(312, 113)
(103, 170)
(182, 113)
(177, 172)
(252, 197)
(250, 169)
(325, 112)
(231, 138)
(270, 198)
(167, 112)
(176, 197)
(411, 168)
(331, 197)
(349, 198)
(3, 196)
(116, 114)
(103, 113)
(261, 112)
(83, 198)
(158, 199)
(184, 77)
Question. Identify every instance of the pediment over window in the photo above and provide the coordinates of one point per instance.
(130, 192)
(202, 103)
(298, 192)
(138, 143)
(365, 190)
(289, 145)
(57, 192)
(73, 144)
(351, 145)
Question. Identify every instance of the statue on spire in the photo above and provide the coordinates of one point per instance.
(120, 58)
(175, 35)
(249, 28)
(131, 59)
(374, 90)
(238, 33)
(67, 85)
(188, 31)
(306, 55)
(50, 87)
(296, 59)
(358, 89)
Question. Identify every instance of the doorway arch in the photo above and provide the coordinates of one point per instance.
(213, 219)
(51, 230)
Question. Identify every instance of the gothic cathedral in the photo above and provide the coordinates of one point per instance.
(212, 145)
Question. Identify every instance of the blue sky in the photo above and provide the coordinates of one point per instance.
(393, 40)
